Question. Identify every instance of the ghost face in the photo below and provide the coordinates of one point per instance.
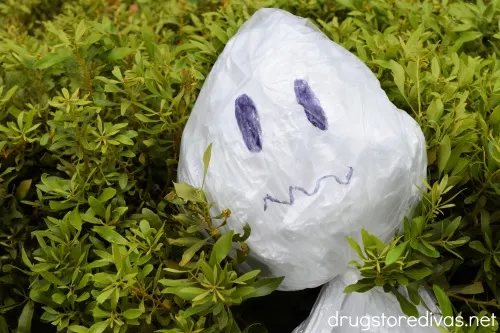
(307, 149)
(249, 125)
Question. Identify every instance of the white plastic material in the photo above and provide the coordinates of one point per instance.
(307, 148)
(373, 312)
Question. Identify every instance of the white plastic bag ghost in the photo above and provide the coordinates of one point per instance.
(307, 148)
(372, 312)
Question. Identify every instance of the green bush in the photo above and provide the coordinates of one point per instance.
(96, 237)
(93, 238)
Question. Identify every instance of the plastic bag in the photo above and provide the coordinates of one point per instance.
(307, 149)
(373, 312)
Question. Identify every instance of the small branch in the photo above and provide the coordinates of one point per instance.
(86, 75)
(470, 300)
(144, 294)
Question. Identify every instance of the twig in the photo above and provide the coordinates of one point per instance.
(470, 300)
(86, 75)
(144, 294)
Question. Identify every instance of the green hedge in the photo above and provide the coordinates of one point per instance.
(96, 237)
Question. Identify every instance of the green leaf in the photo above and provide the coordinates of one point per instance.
(123, 181)
(80, 30)
(371, 241)
(247, 276)
(83, 297)
(466, 36)
(99, 327)
(124, 107)
(435, 110)
(425, 249)
(478, 246)
(184, 241)
(418, 273)
(124, 139)
(495, 116)
(408, 308)
(53, 59)
(399, 76)
(105, 295)
(452, 227)
(206, 160)
(190, 252)
(188, 192)
(221, 248)
(176, 282)
(117, 73)
(3, 325)
(75, 219)
(8, 95)
(43, 140)
(78, 329)
(59, 33)
(97, 206)
(218, 32)
(443, 301)
(435, 68)
(51, 278)
(119, 53)
(112, 88)
(23, 188)
(475, 288)
(25, 258)
(444, 153)
(132, 313)
(395, 253)
(196, 309)
(186, 293)
(103, 278)
(24, 322)
(355, 246)
(58, 298)
(264, 287)
(358, 287)
(144, 119)
(107, 194)
(110, 235)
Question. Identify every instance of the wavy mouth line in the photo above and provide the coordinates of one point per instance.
(292, 188)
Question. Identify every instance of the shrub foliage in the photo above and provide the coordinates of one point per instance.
(95, 236)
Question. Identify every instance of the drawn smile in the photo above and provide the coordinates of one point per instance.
(292, 188)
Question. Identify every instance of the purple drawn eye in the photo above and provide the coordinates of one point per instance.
(249, 123)
(314, 112)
